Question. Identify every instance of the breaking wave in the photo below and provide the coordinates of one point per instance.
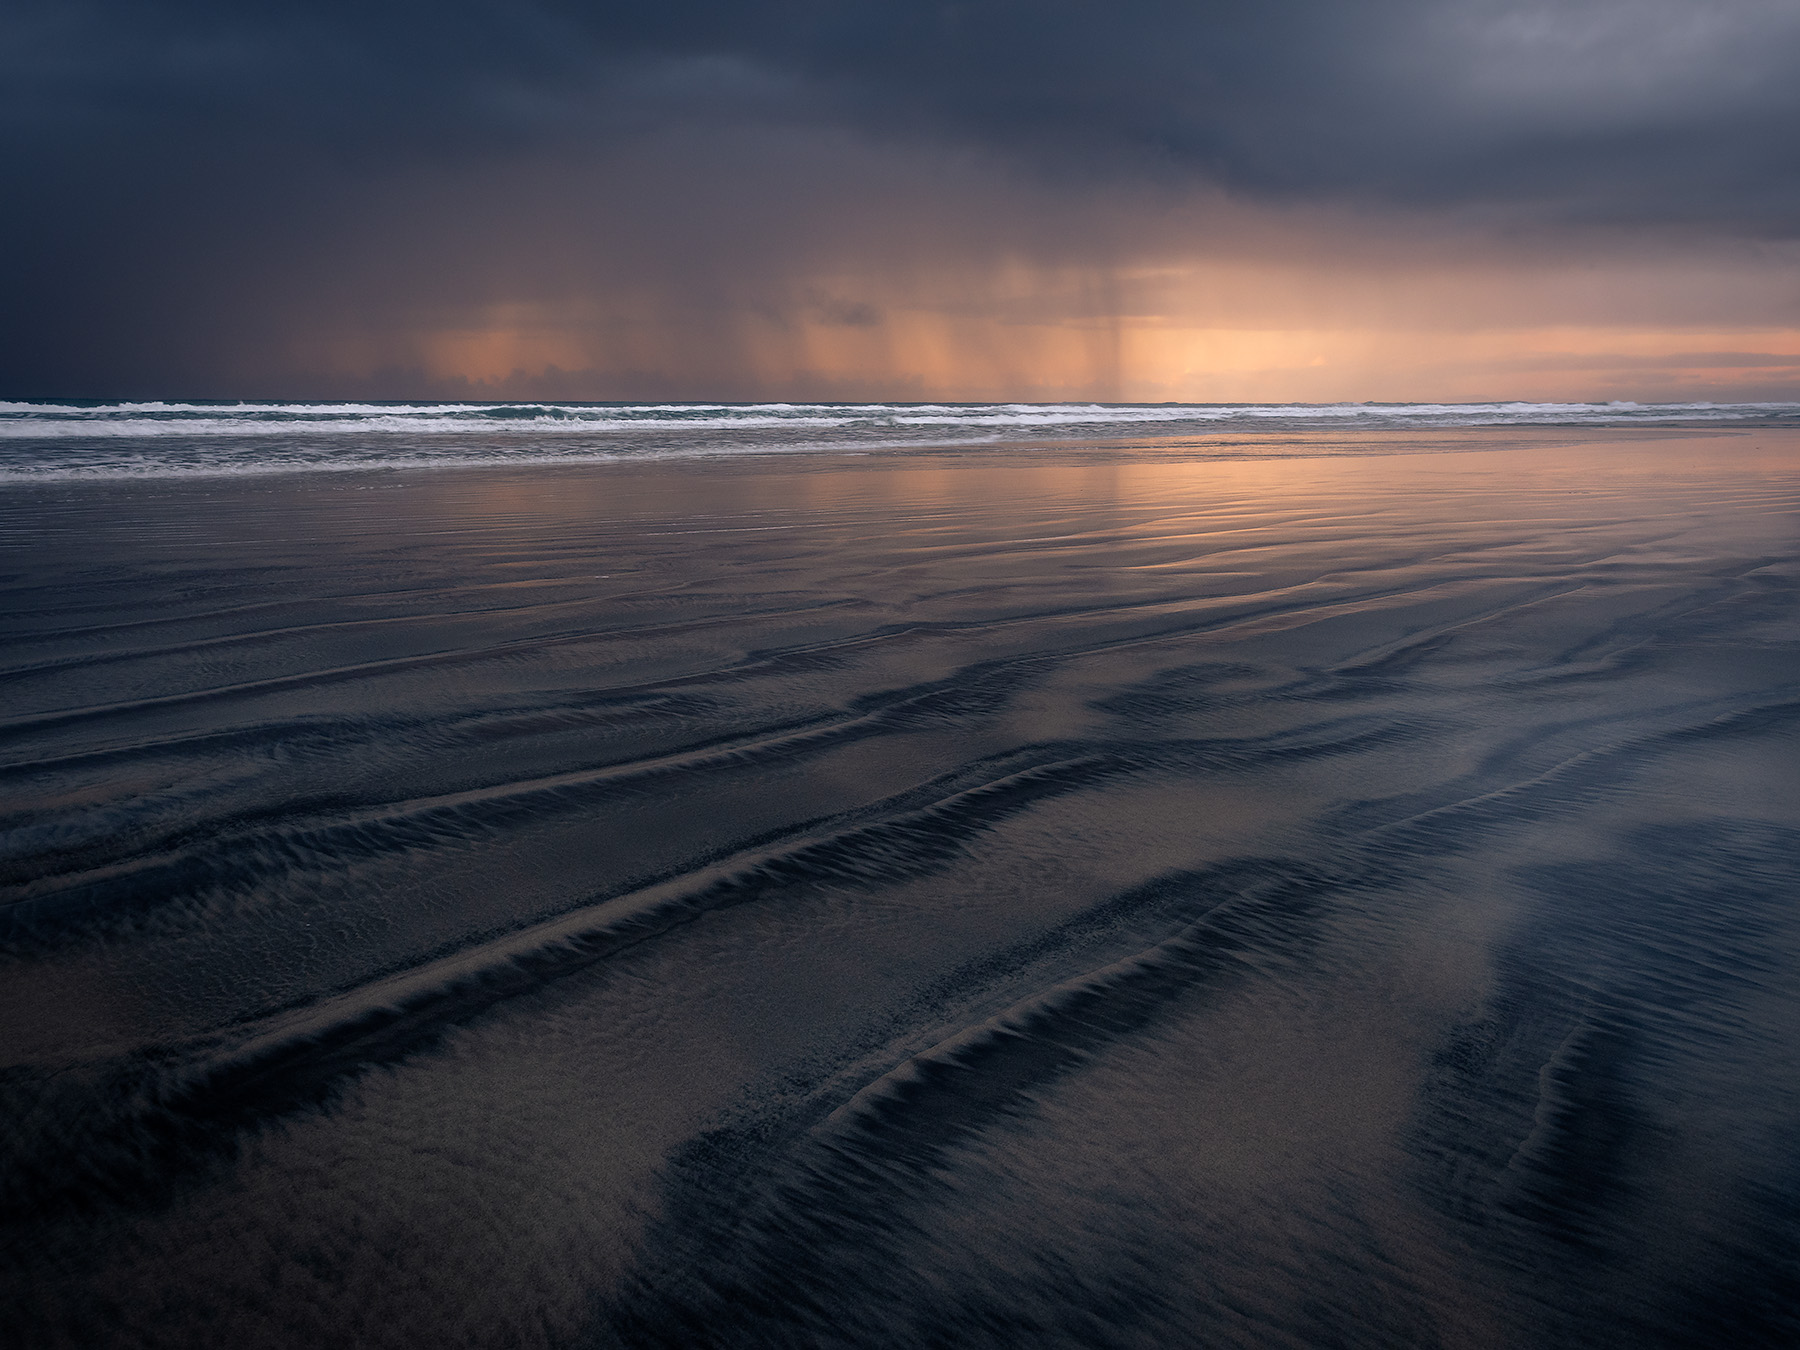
(68, 440)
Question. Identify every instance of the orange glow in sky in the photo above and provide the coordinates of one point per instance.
(1257, 306)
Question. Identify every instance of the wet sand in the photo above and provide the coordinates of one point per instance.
(1288, 891)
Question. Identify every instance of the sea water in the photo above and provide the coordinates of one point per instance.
(68, 440)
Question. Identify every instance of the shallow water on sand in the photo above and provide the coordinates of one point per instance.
(1087, 895)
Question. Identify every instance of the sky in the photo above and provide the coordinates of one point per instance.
(1135, 200)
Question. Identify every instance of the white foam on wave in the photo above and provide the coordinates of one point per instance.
(141, 428)
(42, 442)
(226, 466)
(159, 406)
(217, 418)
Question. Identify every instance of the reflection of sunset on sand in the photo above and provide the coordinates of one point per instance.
(1329, 887)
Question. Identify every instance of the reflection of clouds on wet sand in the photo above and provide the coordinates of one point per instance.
(1072, 896)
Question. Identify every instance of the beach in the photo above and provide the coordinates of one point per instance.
(1212, 887)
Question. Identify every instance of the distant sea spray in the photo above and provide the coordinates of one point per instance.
(63, 440)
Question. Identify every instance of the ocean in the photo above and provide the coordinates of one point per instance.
(70, 440)
(900, 875)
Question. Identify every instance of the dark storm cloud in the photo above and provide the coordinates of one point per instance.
(187, 175)
(1649, 109)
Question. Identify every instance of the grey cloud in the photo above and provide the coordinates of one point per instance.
(1637, 108)
(842, 313)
